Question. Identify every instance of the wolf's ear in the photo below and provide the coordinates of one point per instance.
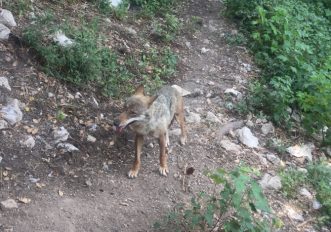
(140, 90)
(151, 100)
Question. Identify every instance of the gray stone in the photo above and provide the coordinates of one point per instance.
(271, 182)
(268, 128)
(204, 50)
(233, 92)
(246, 137)
(131, 31)
(211, 117)
(60, 135)
(4, 83)
(250, 124)
(4, 32)
(7, 18)
(302, 151)
(3, 124)
(67, 147)
(91, 139)
(230, 146)
(193, 118)
(115, 3)
(304, 192)
(316, 204)
(175, 132)
(60, 38)
(28, 142)
(12, 112)
(9, 204)
(294, 214)
(273, 159)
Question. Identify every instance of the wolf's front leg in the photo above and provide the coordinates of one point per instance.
(163, 155)
(139, 140)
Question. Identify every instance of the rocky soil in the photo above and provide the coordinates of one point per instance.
(70, 174)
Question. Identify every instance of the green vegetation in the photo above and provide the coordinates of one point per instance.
(239, 206)
(89, 61)
(291, 40)
(150, 8)
(318, 178)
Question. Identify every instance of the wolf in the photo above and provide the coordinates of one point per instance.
(152, 116)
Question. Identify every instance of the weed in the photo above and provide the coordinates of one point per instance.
(291, 41)
(291, 180)
(150, 8)
(235, 208)
(277, 145)
(319, 174)
(166, 29)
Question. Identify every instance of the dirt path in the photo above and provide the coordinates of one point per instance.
(89, 191)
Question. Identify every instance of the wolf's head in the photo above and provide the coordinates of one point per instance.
(134, 109)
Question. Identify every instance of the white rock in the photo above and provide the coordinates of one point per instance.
(131, 31)
(230, 146)
(270, 182)
(211, 117)
(50, 95)
(204, 50)
(60, 135)
(293, 213)
(193, 118)
(182, 91)
(28, 142)
(304, 192)
(4, 32)
(115, 3)
(246, 137)
(316, 205)
(302, 151)
(4, 83)
(60, 38)
(250, 124)
(188, 44)
(273, 159)
(3, 124)
(12, 112)
(91, 139)
(232, 91)
(0, 159)
(67, 147)
(302, 170)
(7, 18)
(268, 128)
(9, 204)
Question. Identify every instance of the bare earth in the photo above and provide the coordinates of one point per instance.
(89, 190)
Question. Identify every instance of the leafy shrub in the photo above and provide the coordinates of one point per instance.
(319, 174)
(318, 177)
(239, 206)
(291, 180)
(291, 41)
(167, 29)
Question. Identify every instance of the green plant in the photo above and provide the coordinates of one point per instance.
(166, 29)
(151, 8)
(239, 206)
(319, 174)
(277, 145)
(60, 115)
(291, 180)
(291, 41)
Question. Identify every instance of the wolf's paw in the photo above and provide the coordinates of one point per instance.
(133, 174)
(183, 140)
(164, 171)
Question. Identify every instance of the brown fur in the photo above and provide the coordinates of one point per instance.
(153, 115)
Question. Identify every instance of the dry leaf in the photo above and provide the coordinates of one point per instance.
(40, 185)
(5, 173)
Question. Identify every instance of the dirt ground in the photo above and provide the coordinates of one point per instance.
(89, 190)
